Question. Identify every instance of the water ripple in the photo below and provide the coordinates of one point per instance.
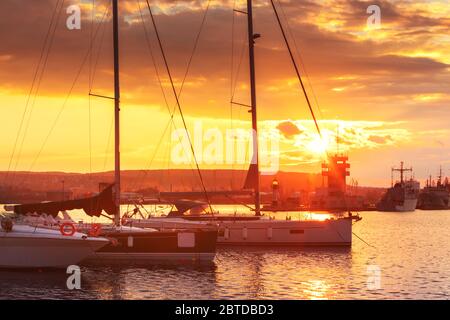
(411, 251)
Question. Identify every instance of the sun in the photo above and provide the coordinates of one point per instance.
(318, 145)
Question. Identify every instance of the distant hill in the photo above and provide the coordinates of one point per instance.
(35, 186)
(163, 180)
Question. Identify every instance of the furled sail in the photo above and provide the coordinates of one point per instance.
(93, 206)
(252, 177)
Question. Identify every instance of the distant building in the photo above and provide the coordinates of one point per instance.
(333, 193)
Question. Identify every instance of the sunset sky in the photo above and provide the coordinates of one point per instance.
(386, 90)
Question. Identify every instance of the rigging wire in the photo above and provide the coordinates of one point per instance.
(234, 83)
(35, 77)
(156, 150)
(139, 181)
(172, 112)
(280, 4)
(236, 79)
(363, 240)
(231, 85)
(105, 159)
(178, 105)
(52, 38)
(91, 42)
(197, 38)
(301, 82)
(296, 68)
(152, 55)
(92, 81)
(62, 107)
(167, 157)
(102, 38)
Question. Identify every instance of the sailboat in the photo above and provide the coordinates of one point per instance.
(24, 246)
(128, 244)
(259, 230)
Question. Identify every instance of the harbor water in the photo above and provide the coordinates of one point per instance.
(393, 256)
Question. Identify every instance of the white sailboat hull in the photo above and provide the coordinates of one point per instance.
(288, 233)
(266, 232)
(29, 247)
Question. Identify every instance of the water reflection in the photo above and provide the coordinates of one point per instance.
(35, 284)
(117, 283)
(316, 289)
(261, 273)
(247, 273)
(154, 282)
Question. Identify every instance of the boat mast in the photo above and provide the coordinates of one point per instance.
(392, 177)
(402, 170)
(440, 176)
(251, 50)
(116, 111)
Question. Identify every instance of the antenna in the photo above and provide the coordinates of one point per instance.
(392, 177)
(440, 175)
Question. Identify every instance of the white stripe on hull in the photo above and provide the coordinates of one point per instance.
(139, 257)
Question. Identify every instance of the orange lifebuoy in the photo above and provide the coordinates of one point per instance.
(95, 230)
(69, 232)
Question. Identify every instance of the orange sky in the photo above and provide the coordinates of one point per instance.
(388, 88)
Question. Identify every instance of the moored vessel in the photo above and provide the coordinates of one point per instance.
(24, 246)
(138, 245)
(435, 196)
(242, 230)
(403, 195)
(127, 244)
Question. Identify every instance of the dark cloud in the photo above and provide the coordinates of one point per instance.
(380, 139)
(325, 53)
(288, 129)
